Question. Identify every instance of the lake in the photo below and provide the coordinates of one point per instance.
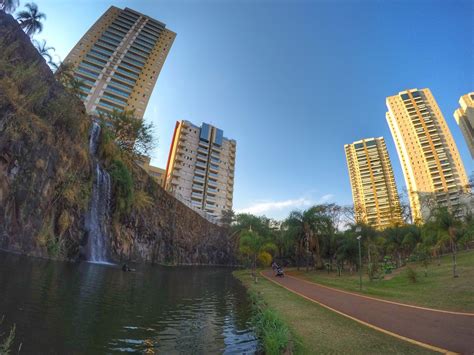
(89, 308)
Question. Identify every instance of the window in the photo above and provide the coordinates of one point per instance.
(205, 130)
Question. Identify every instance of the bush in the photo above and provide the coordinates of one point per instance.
(264, 258)
(411, 274)
(123, 187)
(6, 344)
(270, 328)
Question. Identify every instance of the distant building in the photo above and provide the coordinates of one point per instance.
(432, 167)
(119, 59)
(374, 191)
(464, 117)
(158, 174)
(200, 167)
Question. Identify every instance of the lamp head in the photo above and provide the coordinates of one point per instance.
(359, 237)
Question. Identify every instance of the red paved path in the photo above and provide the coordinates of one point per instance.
(450, 331)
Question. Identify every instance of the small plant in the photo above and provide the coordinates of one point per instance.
(123, 187)
(6, 344)
(270, 328)
(388, 265)
(411, 274)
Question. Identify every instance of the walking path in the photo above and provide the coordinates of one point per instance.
(442, 331)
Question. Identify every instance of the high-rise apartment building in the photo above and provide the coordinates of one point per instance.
(464, 117)
(430, 160)
(158, 174)
(119, 59)
(374, 191)
(200, 167)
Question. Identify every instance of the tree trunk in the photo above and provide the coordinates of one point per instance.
(255, 267)
(453, 248)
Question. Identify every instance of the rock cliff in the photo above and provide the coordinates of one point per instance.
(46, 177)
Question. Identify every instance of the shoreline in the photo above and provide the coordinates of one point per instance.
(113, 262)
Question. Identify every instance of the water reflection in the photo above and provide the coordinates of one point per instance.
(61, 307)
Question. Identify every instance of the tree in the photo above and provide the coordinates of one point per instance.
(44, 50)
(245, 221)
(307, 227)
(255, 246)
(132, 135)
(64, 73)
(447, 225)
(227, 217)
(9, 5)
(347, 250)
(394, 242)
(30, 19)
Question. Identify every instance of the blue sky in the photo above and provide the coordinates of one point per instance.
(293, 81)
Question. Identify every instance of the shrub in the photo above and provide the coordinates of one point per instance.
(123, 187)
(6, 344)
(411, 274)
(264, 258)
(270, 328)
(141, 200)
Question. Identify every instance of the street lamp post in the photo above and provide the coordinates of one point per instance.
(358, 230)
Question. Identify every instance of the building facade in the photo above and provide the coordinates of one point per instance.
(119, 59)
(464, 117)
(431, 164)
(374, 190)
(158, 174)
(200, 167)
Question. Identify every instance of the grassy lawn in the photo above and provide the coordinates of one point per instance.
(438, 290)
(319, 330)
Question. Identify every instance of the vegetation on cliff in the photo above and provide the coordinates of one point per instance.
(43, 145)
(47, 174)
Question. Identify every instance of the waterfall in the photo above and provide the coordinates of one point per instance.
(97, 220)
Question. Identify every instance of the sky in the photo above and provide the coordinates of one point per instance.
(293, 81)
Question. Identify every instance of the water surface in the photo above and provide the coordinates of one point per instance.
(88, 308)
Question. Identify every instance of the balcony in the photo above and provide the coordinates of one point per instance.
(212, 183)
(202, 150)
(202, 165)
(201, 157)
(198, 178)
(198, 187)
(210, 199)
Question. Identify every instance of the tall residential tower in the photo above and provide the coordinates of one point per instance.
(119, 59)
(430, 160)
(464, 117)
(373, 185)
(200, 167)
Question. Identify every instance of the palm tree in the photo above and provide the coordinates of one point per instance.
(306, 228)
(447, 225)
(394, 241)
(9, 5)
(30, 20)
(44, 51)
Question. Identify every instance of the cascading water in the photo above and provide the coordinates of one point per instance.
(99, 212)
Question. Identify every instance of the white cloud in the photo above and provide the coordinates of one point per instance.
(326, 198)
(260, 208)
(279, 209)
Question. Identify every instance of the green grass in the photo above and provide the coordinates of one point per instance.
(315, 329)
(274, 333)
(438, 290)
